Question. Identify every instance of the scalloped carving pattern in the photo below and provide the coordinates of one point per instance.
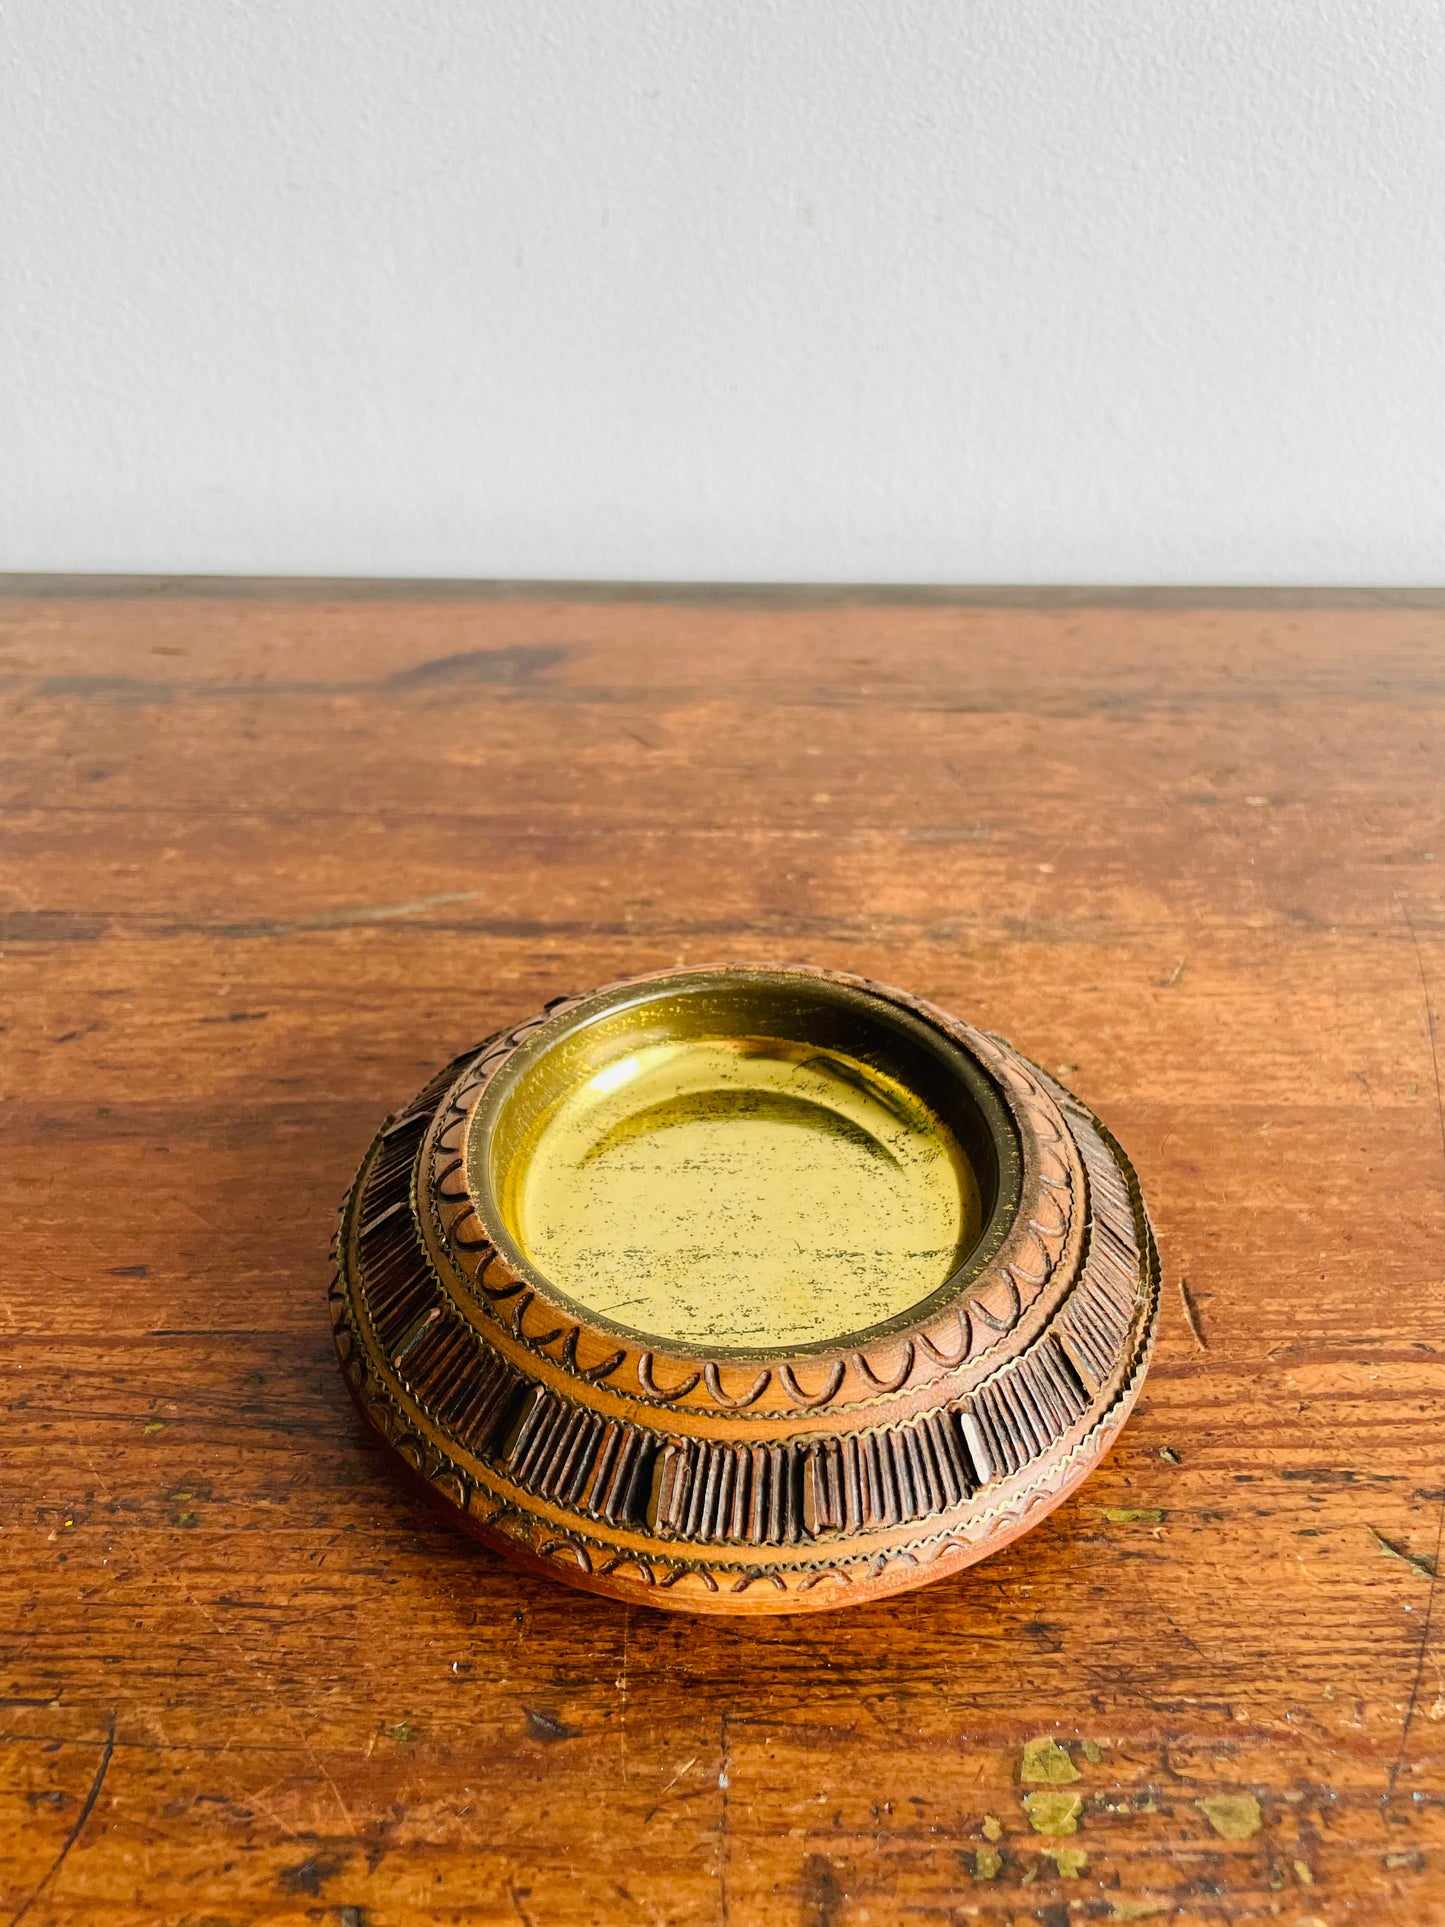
(1014, 1509)
(964, 1331)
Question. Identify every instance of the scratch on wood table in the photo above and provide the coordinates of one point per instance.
(86, 1807)
(1191, 1315)
(274, 851)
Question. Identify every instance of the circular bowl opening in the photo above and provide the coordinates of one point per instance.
(744, 1161)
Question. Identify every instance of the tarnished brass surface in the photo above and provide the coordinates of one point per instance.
(742, 1191)
(734, 1162)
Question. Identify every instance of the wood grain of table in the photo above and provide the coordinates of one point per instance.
(273, 852)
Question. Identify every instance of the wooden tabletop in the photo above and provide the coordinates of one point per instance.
(273, 853)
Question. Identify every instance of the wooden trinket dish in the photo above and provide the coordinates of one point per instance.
(745, 1290)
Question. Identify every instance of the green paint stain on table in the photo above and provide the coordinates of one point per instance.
(1070, 1861)
(1233, 1816)
(1053, 1813)
(1046, 1763)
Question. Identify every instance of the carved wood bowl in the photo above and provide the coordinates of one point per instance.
(747, 1289)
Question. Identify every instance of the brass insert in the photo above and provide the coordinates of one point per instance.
(737, 1163)
(742, 1191)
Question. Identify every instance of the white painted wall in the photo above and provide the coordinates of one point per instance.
(942, 290)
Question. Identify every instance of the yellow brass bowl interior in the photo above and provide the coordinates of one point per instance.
(744, 1161)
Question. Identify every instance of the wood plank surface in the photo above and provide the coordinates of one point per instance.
(274, 853)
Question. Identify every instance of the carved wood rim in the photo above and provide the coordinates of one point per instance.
(545, 1334)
